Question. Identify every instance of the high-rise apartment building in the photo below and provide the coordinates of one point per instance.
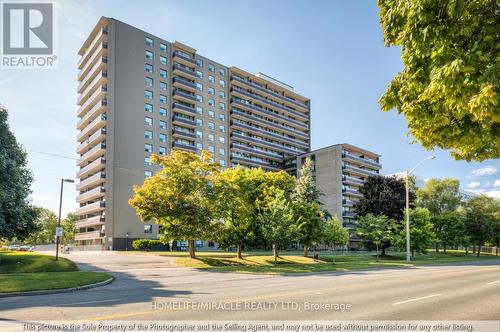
(140, 94)
(340, 170)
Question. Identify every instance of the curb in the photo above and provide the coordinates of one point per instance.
(57, 291)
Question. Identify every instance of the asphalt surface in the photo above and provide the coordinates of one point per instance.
(151, 288)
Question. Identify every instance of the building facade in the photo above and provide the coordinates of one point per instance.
(340, 170)
(140, 94)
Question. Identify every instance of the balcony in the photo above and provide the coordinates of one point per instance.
(189, 147)
(363, 161)
(183, 58)
(352, 192)
(251, 162)
(91, 221)
(182, 133)
(99, 38)
(184, 96)
(95, 166)
(352, 181)
(96, 152)
(99, 58)
(184, 83)
(91, 208)
(96, 124)
(97, 137)
(349, 214)
(91, 181)
(183, 109)
(88, 235)
(358, 171)
(183, 121)
(263, 143)
(99, 79)
(275, 136)
(96, 110)
(268, 91)
(184, 71)
(348, 202)
(92, 194)
(262, 153)
(97, 95)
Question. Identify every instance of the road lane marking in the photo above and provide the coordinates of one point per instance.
(493, 282)
(417, 299)
(87, 302)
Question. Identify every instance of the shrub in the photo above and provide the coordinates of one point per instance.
(145, 244)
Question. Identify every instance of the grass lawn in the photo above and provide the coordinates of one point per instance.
(25, 271)
(297, 264)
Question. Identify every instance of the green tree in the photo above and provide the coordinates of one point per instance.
(180, 197)
(277, 221)
(421, 232)
(482, 211)
(449, 87)
(306, 206)
(495, 235)
(69, 230)
(376, 230)
(17, 215)
(333, 234)
(46, 223)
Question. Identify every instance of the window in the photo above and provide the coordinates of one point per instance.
(211, 114)
(199, 98)
(148, 68)
(148, 134)
(163, 86)
(147, 162)
(199, 86)
(148, 108)
(199, 74)
(148, 174)
(162, 138)
(148, 94)
(163, 99)
(222, 151)
(148, 148)
(163, 73)
(162, 124)
(211, 137)
(162, 150)
(163, 60)
(148, 229)
(149, 41)
(211, 67)
(163, 112)
(222, 95)
(211, 125)
(222, 140)
(199, 122)
(211, 79)
(199, 62)
(222, 83)
(199, 109)
(222, 163)
(211, 148)
(222, 129)
(211, 91)
(148, 81)
(199, 134)
(211, 102)
(148, 121)
(222, 72)
(222, 106)
(222, 117)
(163, 47)
(149, 55)
(199, 146)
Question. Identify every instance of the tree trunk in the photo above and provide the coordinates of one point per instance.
(478, 251)
(275, 254)
(437, 247)
(444, 248)
(238, 251)
(191, 249)
(495, 250)
(473, 249)
(466, 251)
(378, 253)
(305, 251)
(383, 251)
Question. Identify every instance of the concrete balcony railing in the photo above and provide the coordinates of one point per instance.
(98, 80)
(184, 71)
(184, 109)
(184, 96)
(92, 194)
(358, 171)
(99, 38)
(99, 54)
(348, 202)
(352, 180)
(253, 162)
(95, 111)
(96, 124)
(91, 181)
(189, 147)
(183, 58)
(364, 161)
(183, 121)
(85, 80)
(91, 208)
(258, 152)
(348, 214)
(183, 133)
(96, 138)
(263, 143)
(281, 138)
(88, 235)
(92, 154)
(95, 166)
(96, 97)
(91, 221)
(352, 192)
(184, 83)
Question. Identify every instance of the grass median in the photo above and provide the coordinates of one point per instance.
(23, 271)
(297, 264)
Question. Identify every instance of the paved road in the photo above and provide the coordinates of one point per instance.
(459, 292)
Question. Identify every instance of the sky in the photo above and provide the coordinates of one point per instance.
(331, 51)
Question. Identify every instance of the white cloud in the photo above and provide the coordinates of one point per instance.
(496, 183)
(473, 185)
(477, 191)
(493, 193)
(486, 170)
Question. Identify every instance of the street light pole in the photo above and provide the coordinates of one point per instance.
(407, 185)
(59, 217)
